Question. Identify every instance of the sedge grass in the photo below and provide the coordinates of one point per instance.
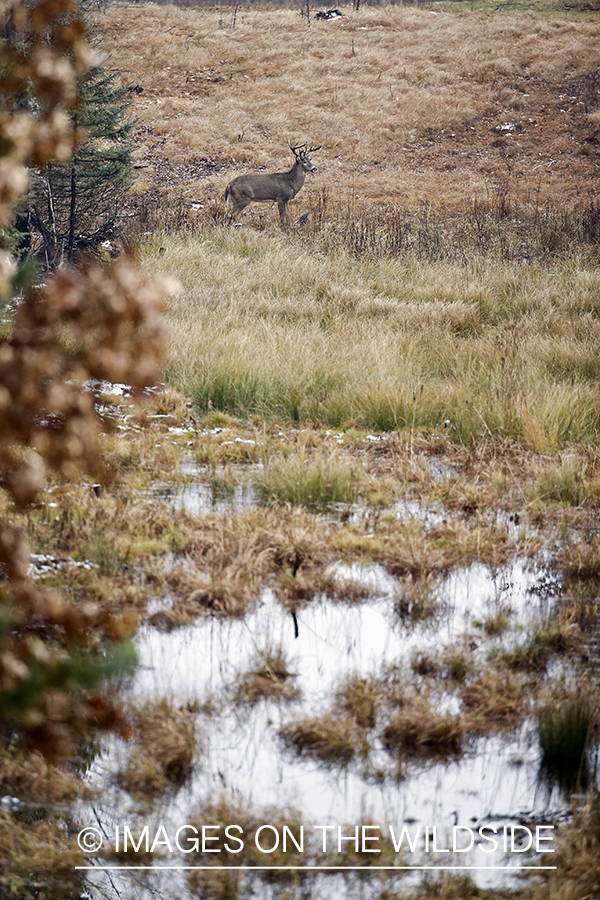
(261, 327)
(564, 731)
(164, 749)
(315, 482)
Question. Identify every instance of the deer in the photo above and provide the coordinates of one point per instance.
(280, 187)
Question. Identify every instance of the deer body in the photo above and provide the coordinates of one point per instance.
(278, 187)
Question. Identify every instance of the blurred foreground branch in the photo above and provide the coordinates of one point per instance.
(82, 323)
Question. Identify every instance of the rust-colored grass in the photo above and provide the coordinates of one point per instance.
(269, 678)
(163, 749)
(409, 105)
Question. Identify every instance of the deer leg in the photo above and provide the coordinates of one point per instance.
(284, 212)
(237, 207)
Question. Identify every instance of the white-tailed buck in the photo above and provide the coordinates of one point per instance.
(279, 187)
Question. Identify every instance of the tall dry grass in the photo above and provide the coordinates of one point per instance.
(268, 325)
(370, 319)
(410, 104)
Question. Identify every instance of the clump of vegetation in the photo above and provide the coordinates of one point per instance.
(568, 482)
(577, 856)
(424, 663)
(457, 663)
(332, 740)
(230, 559)
(35, 796)
(359, 698)
(558, 635)
(35, 781)
(418, 730)
(35, 851)
(238, 834)
(416, 600)
(580, 559)
(269, 678)
(494, 699)
(579, 612)
(496, 623)
(163, 750)
(222, 485)
(315, 482)
(565, 731)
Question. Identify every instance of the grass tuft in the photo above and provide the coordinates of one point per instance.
(332, 741)
(164, 749)
(269, 679)
(565, 731)
(315, 482)
(419, 730)
(359, 698)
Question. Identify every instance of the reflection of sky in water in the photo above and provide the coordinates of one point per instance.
(199, 497)
(335, 639)
(494, 782)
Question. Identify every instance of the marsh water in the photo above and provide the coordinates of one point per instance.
(495, 782)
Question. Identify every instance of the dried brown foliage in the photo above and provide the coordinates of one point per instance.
(331, 740)
(80, 324)
(418, 729)
(112, 319)
(270, 678)
(164, 749)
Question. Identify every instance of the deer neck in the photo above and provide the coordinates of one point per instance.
(297, 176)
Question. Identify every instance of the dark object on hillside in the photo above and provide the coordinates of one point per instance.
(135, 89)
(329, 14)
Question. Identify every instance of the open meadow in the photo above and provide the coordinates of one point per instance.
(411, 105)
(354, 538)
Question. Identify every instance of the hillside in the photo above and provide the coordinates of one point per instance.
(411, 105)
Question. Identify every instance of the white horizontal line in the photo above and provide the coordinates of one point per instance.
(326, 868)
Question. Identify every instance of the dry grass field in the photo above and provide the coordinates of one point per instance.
(265, 325)
(411, 105)
(448, 137)
(408, 388)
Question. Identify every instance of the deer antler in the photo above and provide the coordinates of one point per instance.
(312, 149)
(297, 147)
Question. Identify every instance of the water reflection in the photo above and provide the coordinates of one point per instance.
(494, 782)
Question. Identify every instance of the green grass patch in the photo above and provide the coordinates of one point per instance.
(564, 732)
(315, 482)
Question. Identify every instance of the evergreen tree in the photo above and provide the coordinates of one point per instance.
(75, 207)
